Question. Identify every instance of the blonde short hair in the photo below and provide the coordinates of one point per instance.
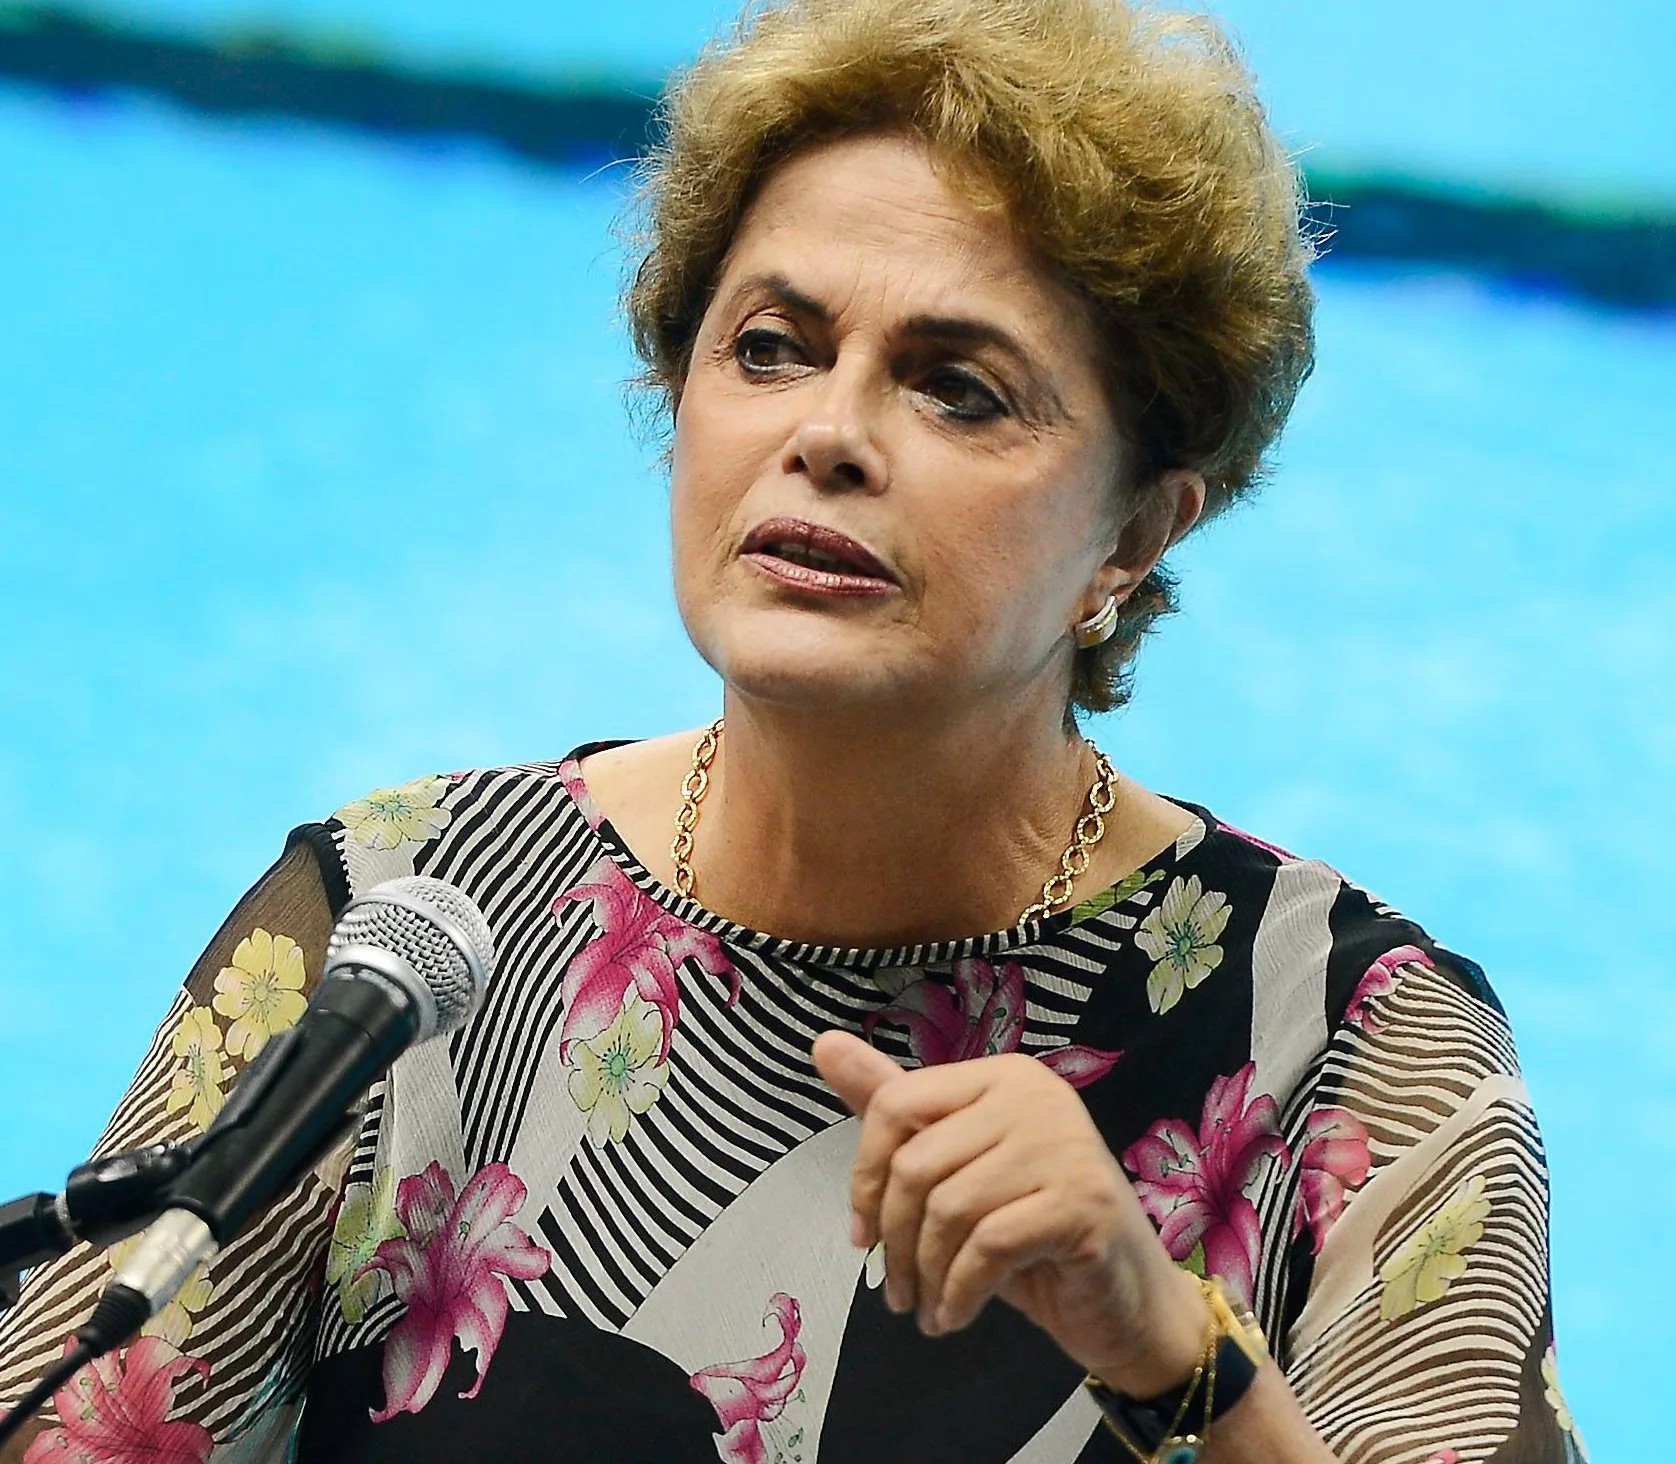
(1125, 144)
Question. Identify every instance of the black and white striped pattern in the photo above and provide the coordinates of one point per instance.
(1437, 1088)
(742, 1091)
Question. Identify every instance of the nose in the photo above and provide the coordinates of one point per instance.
(834, 443)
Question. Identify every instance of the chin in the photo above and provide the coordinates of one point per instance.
(813, 665)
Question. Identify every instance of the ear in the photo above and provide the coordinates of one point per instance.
(1159, 515)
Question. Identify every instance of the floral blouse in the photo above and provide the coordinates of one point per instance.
(608, 1219)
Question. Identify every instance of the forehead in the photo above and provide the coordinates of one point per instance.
(870, 219)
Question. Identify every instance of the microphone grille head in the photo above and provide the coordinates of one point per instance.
(436, 930)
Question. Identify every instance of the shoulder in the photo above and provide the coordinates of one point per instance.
(632, 783)
(411, 825)
(420, 825)
(1307, 915)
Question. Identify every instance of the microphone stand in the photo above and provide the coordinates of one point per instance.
(104, 1201)
(31, 1231)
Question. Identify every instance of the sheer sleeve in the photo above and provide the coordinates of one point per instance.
(1426, 1333)
(217, 1370)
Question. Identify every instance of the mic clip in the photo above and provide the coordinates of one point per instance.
(103, 1201)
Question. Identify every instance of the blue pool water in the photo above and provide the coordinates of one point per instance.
(316, 476)
(1543, 96)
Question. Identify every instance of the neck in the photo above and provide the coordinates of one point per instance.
(867, 831)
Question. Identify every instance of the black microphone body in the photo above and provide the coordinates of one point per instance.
(408, 961)
(294, 1101)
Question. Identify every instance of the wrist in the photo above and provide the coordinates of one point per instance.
(1172, 1423)
(1169, 1348)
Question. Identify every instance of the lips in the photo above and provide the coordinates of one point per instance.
(815, 557)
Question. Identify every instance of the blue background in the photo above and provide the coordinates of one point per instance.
(315, 475)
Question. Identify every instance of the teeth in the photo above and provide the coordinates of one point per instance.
(813, 558)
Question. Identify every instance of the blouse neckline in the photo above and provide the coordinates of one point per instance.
(1168, 861)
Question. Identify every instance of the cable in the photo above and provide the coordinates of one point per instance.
(121, 1313)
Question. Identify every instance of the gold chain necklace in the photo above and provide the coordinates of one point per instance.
(1056, 890)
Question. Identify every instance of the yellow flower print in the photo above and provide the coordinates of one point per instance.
(368, 1219)
(388, 818)
(262, 991)
(1431, 1259)
(616, 1074)
(174, 1322)
(198, 1080)
(1556, 1399)
(1180, 936)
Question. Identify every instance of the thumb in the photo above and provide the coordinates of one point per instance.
(855, 1070)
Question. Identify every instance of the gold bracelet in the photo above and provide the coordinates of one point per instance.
(1173, 1438)
(1176, 1447)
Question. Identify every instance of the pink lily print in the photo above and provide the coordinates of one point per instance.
(748, 1394)
(1380, 978)
(116, 1411)
(1197, 1187)
(1333, 1161)
(978, 1014)
(448, 1270)
(570, 774)
(640, 944)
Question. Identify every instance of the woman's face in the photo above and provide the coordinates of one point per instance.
(895, 473)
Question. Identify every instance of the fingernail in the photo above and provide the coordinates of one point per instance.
(895, 1299)
(858, 1229)
(930, 1323)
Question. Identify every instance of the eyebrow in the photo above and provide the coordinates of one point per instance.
(954, 329)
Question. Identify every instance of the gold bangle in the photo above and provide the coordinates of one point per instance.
(1228, 1317)
(1235, 1319)
(1173, 1438)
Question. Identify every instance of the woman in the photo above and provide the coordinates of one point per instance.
(964, 310)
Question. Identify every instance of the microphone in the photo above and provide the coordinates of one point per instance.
(409, 960)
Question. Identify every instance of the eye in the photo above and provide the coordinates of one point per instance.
(760, 350)
(963, 397)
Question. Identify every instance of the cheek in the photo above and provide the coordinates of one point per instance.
(1018, 543)
(706, 474)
